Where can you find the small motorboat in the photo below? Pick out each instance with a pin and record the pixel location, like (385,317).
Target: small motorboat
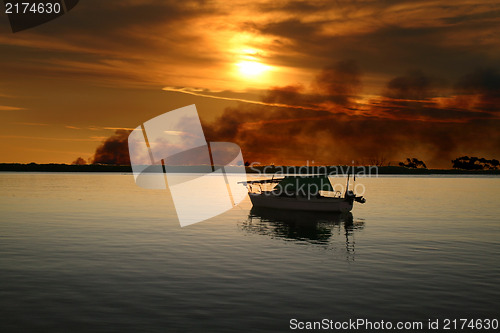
(304,193)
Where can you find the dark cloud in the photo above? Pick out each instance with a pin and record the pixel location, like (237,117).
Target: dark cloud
(417,96)
(340,82)
(415,86)
(294,7)
(424,111)
(480,89)
(285,95)
(485,82)
(492,15)
(292,28)
(119,41)
(437,38)
(113,16)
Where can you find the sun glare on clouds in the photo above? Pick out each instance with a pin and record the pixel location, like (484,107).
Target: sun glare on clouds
(251,69)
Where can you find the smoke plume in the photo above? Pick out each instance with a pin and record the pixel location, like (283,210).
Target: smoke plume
(411,117)
(407,119)
(114,150)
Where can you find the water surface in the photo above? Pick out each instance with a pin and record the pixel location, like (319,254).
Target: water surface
(95,253)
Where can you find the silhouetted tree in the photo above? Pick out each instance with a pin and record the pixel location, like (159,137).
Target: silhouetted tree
(377,161)
(413,163)
(475,163)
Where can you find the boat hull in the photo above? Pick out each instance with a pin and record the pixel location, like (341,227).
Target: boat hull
(314,204)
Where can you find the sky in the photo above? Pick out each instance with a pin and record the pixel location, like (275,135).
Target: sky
(289,81)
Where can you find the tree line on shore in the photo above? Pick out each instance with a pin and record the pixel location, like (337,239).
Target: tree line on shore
(460,163)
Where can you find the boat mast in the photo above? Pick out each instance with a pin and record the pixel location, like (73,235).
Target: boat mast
(347,186)
(348,175)
(353,176)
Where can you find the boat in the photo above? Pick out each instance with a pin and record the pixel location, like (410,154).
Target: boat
(301,193)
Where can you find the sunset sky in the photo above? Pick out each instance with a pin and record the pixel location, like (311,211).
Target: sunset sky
(289,81)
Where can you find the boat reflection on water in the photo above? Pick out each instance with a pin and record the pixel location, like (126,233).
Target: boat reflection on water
(325,229)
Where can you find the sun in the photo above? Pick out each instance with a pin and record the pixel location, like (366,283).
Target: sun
(251,69)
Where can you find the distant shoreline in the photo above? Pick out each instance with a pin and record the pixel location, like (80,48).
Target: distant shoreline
(383,170)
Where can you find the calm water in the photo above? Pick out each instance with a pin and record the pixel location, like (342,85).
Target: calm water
(96,253)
